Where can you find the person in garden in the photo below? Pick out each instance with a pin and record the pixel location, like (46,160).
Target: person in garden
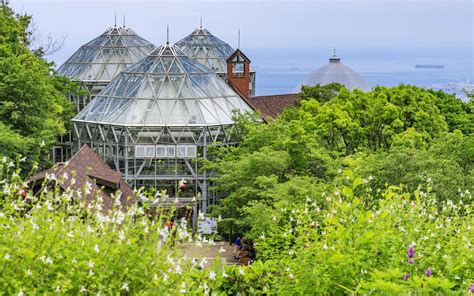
(237,245)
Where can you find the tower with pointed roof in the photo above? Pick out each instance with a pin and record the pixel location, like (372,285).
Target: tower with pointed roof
(155,121)
(212,52)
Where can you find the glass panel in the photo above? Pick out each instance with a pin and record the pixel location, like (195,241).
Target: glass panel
(191,151)
(150,151)
(170,151)
(181,151)
(139,151)
(160,151)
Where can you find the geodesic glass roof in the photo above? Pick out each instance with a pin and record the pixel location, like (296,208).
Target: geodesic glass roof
(102,58)
(335,71)
(206,49)
(167,88)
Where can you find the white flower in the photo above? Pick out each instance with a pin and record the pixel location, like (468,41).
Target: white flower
(165,277)
(42,143)
(83,289)
(325,247)
(7,256)
(125,287)
(58,289)
(91,264)
(224,274)
(212,275)
(74,260)
(96,249)
(4,159)
(201,216)
(221,250)
(29,273)
(48,261)
(291,276)
(241,271)
(20,293)
(88,187)
(183,288)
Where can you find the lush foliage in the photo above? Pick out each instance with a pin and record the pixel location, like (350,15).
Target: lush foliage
(337,241)
(50,243)
(358,244)
(398,136)
(32,107)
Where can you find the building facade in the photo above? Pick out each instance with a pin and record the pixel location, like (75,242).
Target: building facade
(155,121)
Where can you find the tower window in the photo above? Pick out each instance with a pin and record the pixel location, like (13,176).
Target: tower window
(238,69)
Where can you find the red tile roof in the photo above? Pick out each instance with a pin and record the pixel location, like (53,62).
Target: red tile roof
(271,106)
(86,167)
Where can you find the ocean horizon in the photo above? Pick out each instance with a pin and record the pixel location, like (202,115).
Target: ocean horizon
(278,73)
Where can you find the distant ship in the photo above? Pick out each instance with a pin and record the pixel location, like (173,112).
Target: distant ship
(429,66)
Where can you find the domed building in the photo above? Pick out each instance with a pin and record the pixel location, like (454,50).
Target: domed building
(335,71)
(155,121)
(98,61)
(94,65)
(212,52)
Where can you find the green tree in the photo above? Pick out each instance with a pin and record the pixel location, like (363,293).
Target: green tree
(32,107)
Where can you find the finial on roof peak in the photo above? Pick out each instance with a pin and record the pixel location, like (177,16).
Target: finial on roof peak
(238,42)
(124,21)
(167,34)
(334,58)
(115,20)
(200,23)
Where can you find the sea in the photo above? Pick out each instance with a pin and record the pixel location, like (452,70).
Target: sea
(281,71)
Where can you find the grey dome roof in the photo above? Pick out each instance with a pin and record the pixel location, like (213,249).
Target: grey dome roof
(167,88)
(335,71)
(102,58)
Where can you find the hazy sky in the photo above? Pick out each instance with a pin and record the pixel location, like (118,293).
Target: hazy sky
(265,24)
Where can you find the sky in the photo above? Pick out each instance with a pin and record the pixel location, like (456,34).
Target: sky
(263,24)
(285,33)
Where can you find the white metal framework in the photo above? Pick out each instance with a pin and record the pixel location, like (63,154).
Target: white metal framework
(156,119)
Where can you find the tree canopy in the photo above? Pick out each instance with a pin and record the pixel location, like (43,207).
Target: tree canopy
(403,135)
(33,107)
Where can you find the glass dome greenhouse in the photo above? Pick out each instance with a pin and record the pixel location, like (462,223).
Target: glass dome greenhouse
(98,61)
(155,120)
(94,65)
(212,52)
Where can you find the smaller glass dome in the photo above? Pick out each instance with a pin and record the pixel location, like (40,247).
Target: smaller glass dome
(102,58)
(206,49)
(335,71)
